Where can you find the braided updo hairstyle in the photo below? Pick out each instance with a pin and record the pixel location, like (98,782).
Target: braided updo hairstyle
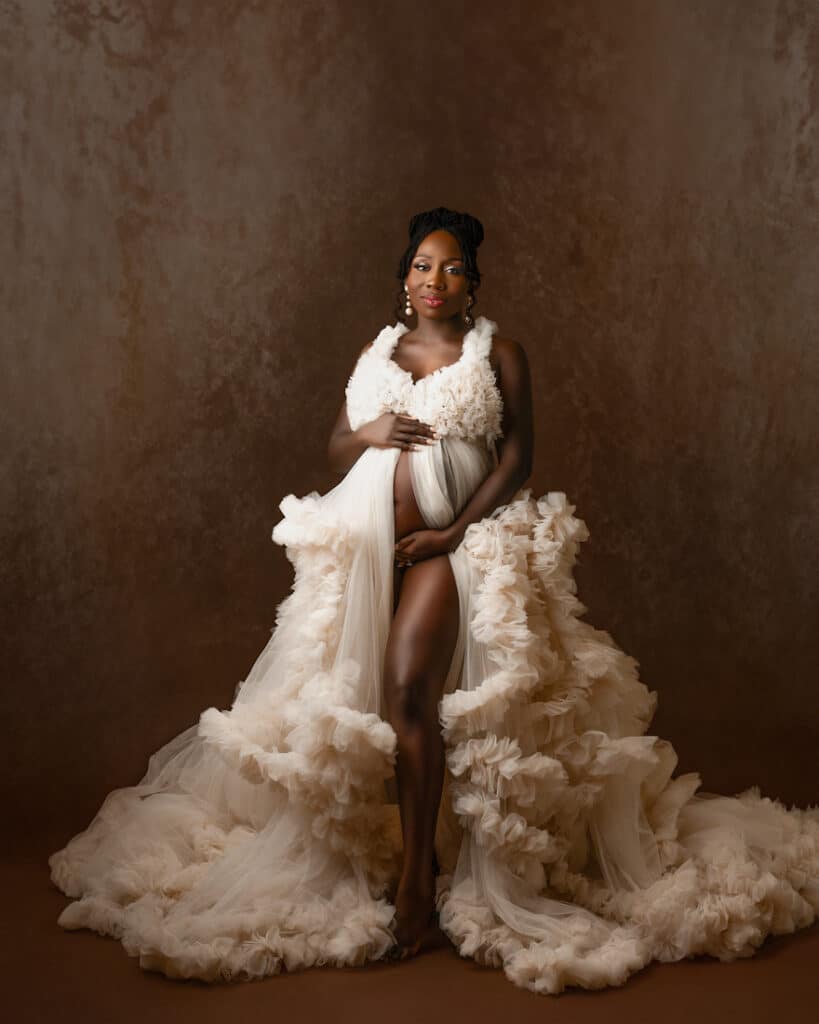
(467,229)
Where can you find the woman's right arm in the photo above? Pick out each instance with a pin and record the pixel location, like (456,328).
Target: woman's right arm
(345,445)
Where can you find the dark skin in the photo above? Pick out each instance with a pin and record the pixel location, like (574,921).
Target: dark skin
(424,628)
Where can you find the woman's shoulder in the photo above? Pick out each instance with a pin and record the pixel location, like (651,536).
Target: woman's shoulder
(374,345)
(383,343)
(507,355)
(371,355)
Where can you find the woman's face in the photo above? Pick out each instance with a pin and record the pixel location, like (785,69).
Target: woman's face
(437,272)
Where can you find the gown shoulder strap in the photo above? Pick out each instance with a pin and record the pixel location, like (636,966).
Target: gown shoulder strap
(387,338)
(480,337)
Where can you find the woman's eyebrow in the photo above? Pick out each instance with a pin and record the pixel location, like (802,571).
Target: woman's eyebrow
(449,259)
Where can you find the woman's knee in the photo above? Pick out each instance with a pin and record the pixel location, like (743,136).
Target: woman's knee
(410,696)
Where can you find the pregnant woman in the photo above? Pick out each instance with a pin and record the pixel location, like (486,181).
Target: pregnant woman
(432,652)
(424,629)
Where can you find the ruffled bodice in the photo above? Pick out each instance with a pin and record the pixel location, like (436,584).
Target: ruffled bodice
(458,400)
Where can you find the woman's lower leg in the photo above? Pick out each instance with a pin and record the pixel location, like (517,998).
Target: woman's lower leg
(420,776)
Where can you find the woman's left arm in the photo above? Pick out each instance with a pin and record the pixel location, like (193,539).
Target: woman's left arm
(514,448)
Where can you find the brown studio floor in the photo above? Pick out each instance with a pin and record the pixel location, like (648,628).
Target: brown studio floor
(54,975)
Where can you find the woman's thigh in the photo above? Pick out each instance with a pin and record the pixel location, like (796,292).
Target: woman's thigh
(422,638)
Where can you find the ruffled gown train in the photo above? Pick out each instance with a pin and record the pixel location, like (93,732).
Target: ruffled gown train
(264,837)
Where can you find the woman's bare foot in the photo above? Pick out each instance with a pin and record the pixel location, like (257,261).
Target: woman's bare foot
(414,916)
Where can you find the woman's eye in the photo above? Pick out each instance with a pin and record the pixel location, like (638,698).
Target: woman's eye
(425,266)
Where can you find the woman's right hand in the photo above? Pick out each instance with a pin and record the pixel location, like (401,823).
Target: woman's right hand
(395,430)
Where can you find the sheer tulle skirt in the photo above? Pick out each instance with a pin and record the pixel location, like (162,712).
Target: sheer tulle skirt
(263,836)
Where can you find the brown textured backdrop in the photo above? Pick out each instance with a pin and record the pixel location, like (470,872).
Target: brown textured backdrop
(203,204)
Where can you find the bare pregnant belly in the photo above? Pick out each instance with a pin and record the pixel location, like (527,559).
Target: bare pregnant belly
(407,514)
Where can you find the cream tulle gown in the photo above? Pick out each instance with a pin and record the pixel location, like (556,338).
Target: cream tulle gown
(264,837)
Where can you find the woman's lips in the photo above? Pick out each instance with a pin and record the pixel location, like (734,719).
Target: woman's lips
(430,301)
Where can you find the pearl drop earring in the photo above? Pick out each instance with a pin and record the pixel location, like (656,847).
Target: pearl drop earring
(408,308)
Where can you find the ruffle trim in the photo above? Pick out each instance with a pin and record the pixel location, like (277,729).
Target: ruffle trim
(307,736)
(533,750)
(348,929)
(325,755)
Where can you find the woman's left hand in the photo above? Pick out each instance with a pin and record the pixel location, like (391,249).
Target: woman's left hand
(421,544)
